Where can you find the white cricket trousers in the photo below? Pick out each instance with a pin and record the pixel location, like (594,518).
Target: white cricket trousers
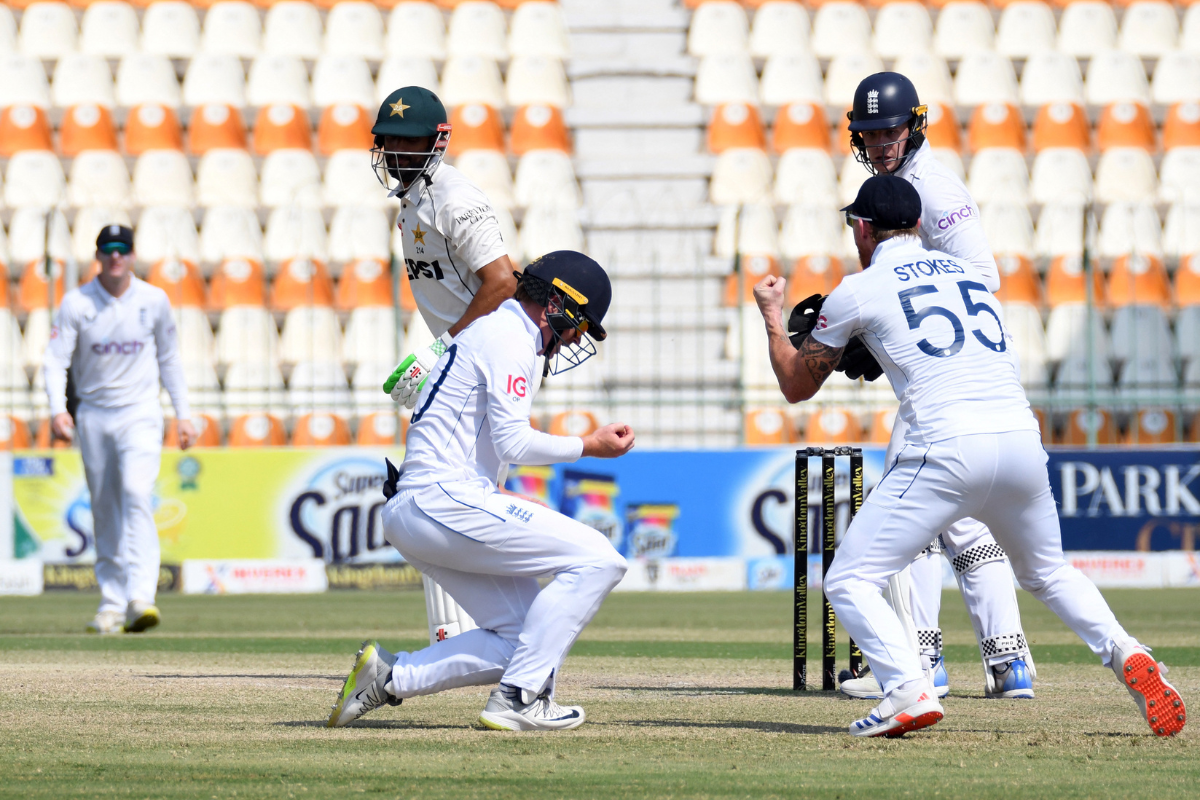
(122,449)
(1000,480)
(487,551)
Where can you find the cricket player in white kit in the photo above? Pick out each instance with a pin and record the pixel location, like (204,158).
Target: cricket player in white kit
(457,262)
(448,517)
(972,449)
(117,336)
(887,128)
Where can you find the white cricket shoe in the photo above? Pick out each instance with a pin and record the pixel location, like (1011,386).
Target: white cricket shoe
(1159,701)
(365,688)
(899,713)
(506,711)
(141,616)
(866,685)
(106,622)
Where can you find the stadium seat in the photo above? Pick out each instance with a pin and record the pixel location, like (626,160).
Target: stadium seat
(380,428)
(416,29)
(87,127)
(145,78)
(318,386)
(902,27)
(344,127)
(33,293)
(546,176)
(47,30)
(811,231)
(792,78)
(163,178)
(537,80)
(726,78)
(1149,28)
(779,28)
(166,232)
(43,440)
(257,430)
(365,282)
(477,29)
(399,71)
(98,178)
(1024,324)
(840,27)
(281,127)
(295,232)
(237,282)
(1065,284)
(985,77)
(1060,174)
(216,127)
(845,72)
(538,29)
(549,227)
(108,29)
(14,433)
(301,283)
(536,127)
(349,181)
(942,130)
(851,177)
(1114,77)
(87,223)
(1067,336)
(208,431)
(371,343)
(24,128)
(880,428)
(1125,125)
(1087,28)
(27,236)
(23,82)
(1176,78)
(1009,228)
(488,169)
(929,74)
(1141,332)
(800,125)
(1187,330)
(1180,170)
(152,127)
(806,176)
(476,127)
(1051,77)
(751,230)
(361,232)
(718,28)
(8,28)
(996,125)
(1060,230)
(1130,228)
(467,79)
(232,27)
(81,79)
(214,78)
(573,423)
(278,80)
(1181,232)
(963,27)
(354,29)
(753,269)
(34,178)
(1082,421)
(1025,29)
(247,335)
(998,175)
(226,177)
(170,28)
(1061,125)
(833,426)
(342,79)
(1151,426)
(735,125)
(740,175)
(809,275)
(292,29)
(1138,279)
(768,426)
(1181,128)
(290,177)
(181,280)
(321,430)
(1125,174)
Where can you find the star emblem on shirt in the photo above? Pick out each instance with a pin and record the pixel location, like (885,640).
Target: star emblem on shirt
(398,108)
(418,234)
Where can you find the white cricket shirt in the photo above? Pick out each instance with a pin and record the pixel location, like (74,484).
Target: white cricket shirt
(472,417)
(950,221)
(117,348)
(449,231)
(931,323)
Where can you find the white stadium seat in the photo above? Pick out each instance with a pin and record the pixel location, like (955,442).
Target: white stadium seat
(354,29)
(1125,174)
(537,80)
(806,176)
(999,175)
(538,29)
(82,79)
(230,232)
(226,177)
(1066,333)
(488,169)
(290,177)
(930,74)
(8,30)
(278,80)
(292,28)
(718,28)
(1024,323)
(1025,28)
(1087,27)
(1060,175)
(792,78)
(810,230)
(98,178)
(87,222)
(295,232)
(163,178)
(171,28)
(1181,176)
(310,333)
(47,30)
(319,388)
(950,159)
(251,385)
(350,181)
(845,73)
(371,340)
(902,27)
(549,227)
(780,28)
(27,237)
(1114,76)
(1181,231)
(416,30)
(477,29)
(144,78)
(963,26)
(214,78)
(1009,228)
(471,79)
(34,178)
(232,27)
(1149,28)
(1130,228)
(1189,35)
(358,232)
(852,176)
(841,27)
(1051,77)
(342,79)
(23,82)
(399,71)
(726,78)
(985,77)
(749,229)
(1176,78)
(1187,335)
(108,28)
(1060,230)
(546,176)
(166,232)
(740,175)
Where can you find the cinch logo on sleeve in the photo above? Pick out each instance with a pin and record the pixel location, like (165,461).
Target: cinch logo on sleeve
(949,220)
(131,348)
(517,386)
(822,323)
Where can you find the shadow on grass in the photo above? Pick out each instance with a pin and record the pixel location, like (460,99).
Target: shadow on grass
(734,724)
(684,691)
(277,677)
(381,724)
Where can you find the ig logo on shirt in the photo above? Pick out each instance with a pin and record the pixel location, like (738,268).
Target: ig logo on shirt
(518,386)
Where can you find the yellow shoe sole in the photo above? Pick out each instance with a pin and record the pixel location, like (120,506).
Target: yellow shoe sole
(149,618)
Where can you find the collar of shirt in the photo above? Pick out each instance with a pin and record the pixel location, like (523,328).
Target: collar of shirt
(888,248)
(913,163)
(109,298)
(402,193)
(513,307)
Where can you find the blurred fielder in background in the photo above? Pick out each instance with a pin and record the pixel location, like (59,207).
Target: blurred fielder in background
(457,262)
(447,517)
(116,335)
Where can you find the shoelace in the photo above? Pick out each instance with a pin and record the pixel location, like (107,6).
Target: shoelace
(546,708)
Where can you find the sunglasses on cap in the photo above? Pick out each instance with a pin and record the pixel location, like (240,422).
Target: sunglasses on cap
(851,217)
(110,248)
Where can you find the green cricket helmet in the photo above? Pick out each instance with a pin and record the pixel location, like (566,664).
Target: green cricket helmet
(411,112)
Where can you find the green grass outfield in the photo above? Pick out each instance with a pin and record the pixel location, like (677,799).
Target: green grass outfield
(686,696)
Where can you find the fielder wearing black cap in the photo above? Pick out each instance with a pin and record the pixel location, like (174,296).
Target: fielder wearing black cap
(112,237)
(887,202)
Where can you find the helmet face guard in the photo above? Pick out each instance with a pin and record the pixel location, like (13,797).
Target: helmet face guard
(396,178)
(564,312)
(917,123)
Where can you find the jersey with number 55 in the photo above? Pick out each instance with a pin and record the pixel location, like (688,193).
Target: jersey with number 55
(938,333)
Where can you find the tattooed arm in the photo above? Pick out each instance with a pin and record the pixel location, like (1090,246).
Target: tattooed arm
(800,372)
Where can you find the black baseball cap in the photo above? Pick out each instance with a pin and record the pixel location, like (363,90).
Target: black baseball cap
(111,234)
(888,202)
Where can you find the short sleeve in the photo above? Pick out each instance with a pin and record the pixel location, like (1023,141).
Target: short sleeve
(471,226)
(839,320)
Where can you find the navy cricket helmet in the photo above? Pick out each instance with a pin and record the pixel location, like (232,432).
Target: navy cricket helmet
(576,293)
(881,101)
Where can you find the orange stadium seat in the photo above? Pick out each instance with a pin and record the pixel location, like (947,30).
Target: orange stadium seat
(768,426)
(238,282)
(152,127)
(538,127)
(813,275)
(365,282)
(281,127)
(1125,125)
(215,126)
(1018,281)
(33,290)
(832,426)
(735,125)
(882,422)
(87,127)
(257,430)
(380,428)
(1080,421)
(1138,279)
(1065,282)
(1061,125)
(754,269)
(1181,128)
(320,430)
(14,433)
(208,431)
(344,127)
(942,129)
(4,286)
(1151,426)
(43,438)
(996,125)
(89,272)
(475,126)
(574,423)
(1187,281)
(301,282)
(181,280)
(800,125)
(24,128)
(407,301)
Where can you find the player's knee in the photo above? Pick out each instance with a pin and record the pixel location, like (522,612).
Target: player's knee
(837,583)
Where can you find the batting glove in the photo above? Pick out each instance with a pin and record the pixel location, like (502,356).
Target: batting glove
(407,380)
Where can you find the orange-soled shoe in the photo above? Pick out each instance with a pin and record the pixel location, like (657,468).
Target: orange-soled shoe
(1146,680)
(900,713)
